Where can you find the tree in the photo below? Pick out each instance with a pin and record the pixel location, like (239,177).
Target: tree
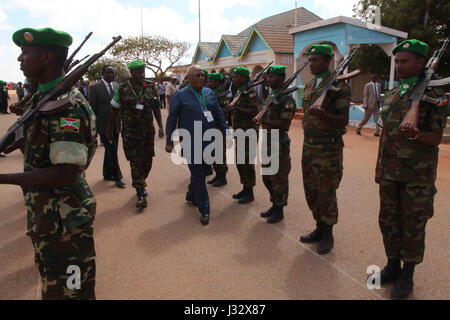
(95,71)
(155,51)
(425,20)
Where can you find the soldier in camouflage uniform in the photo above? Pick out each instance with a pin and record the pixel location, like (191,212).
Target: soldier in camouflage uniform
(323,147)
(244,111)
(278,117)
(221,169)
(59,148)
(19,91)
(406,169)
(138,101)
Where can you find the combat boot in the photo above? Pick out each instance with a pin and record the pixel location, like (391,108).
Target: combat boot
(239,194)
(220,181)
(277,215)
(268,213)
(248,196)
(403,287)
(390,273)
(141,198)
(204,219)
(313,236)
(213,180)
(326,242)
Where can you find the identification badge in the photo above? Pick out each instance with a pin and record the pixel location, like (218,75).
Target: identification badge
(380,122)
(139,107)
(208,116)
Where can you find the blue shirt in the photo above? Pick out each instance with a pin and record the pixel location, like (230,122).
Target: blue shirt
(185,108)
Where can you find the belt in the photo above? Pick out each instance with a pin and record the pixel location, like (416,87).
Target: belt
(324,140)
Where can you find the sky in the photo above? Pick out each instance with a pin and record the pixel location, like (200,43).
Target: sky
(174,19)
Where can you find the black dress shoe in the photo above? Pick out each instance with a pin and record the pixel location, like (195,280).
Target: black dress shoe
(204,219)
(120,183)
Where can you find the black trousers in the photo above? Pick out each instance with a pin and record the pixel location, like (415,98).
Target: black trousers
(3,105)
(162,98)
(111,168)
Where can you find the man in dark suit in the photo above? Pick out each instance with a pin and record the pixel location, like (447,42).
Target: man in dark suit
(100,96)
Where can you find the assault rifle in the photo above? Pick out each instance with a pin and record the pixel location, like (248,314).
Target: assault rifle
(329,86)
(252,83)
(283,91)
(419,90)
(69,62)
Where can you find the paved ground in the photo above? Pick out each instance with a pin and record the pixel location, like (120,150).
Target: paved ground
(165,253)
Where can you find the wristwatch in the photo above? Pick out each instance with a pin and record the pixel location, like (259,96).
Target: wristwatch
(414,138)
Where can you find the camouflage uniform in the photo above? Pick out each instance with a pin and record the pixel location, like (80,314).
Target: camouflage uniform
(278,184)
(222,168)
(138,131)
(248,100)
(60,220)
(406,172)
(20,93)
(323,152)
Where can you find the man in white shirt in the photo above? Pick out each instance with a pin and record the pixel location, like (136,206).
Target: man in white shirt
(170,90)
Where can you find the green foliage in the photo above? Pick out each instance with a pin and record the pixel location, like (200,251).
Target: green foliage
(155,51)
(95,71)
(425,20)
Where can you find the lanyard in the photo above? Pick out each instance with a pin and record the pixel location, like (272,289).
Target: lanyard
(201,98)
(140,93)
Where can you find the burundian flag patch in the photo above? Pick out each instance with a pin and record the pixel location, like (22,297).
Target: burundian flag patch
(69,125)
(443,101)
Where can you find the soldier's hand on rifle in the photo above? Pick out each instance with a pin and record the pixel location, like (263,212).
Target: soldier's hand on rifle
(407,129)
(258,123)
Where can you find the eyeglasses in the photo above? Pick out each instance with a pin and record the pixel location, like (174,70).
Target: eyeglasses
(199,75)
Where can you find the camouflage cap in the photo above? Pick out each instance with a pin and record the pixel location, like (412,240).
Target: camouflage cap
(325,49)
(41,37)
(215,76)
(276,70)
(412,45)
(242,71)
(136,64)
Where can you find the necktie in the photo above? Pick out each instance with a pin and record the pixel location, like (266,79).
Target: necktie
(376,92)
(110,89)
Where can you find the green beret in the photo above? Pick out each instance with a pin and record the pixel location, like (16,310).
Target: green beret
(242,71)
(276,70)
(42,37)
(136,64)
(321,48)
(215,76)
(412,45)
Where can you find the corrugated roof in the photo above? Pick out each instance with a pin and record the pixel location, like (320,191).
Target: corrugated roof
(208,48)
(235,43)
(278,38)
(286,20)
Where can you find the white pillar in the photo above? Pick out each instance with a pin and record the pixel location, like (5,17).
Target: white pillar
(392,73)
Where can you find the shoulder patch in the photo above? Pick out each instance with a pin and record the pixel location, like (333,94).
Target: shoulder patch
(443,101)
(69,125)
